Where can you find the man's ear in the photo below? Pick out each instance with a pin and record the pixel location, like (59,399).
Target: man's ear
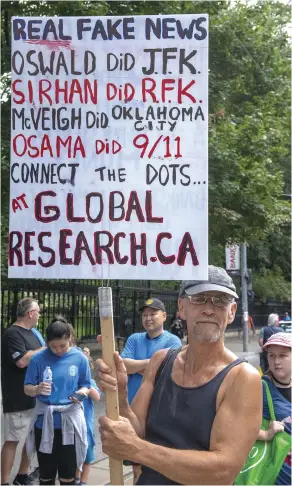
(231,313)
(164,316)
(181,308)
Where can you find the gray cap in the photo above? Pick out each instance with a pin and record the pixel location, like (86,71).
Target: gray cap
(218,279)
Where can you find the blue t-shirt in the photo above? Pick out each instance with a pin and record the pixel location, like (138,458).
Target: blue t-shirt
(39,336)
(88,405)
(282,409)
(70,372)
(140,346)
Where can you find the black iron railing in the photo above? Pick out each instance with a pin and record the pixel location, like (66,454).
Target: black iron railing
(77,300)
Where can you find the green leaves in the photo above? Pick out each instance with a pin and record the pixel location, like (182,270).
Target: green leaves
(249,122)
(249,148)
(271,285)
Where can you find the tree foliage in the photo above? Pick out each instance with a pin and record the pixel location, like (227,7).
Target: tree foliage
(249,121)
(271,285)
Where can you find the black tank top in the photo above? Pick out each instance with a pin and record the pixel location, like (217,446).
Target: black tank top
(179,417)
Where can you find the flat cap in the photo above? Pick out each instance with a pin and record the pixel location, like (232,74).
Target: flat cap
(218,279)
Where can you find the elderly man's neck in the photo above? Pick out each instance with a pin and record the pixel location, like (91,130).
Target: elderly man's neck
(200,353)
(23,323)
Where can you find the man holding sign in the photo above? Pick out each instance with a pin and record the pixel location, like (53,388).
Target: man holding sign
(195,404)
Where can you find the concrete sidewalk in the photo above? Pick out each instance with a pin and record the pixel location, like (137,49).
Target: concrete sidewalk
(100,475)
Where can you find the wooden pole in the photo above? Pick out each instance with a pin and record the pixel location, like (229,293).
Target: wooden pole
(108,349)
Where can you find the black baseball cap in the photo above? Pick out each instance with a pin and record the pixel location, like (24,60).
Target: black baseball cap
(153,304)
(218,279)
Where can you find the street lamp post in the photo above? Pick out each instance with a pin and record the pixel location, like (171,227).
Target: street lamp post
(244,300)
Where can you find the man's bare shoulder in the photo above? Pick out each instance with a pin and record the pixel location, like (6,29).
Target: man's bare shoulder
(246,367)
(158,357)
(244,372)
(245,380)
(243,369)
(155,362)
(242,380)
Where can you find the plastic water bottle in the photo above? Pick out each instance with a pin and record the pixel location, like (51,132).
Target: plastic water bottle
(48,378)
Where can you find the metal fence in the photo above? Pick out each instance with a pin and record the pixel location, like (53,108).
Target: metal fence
(77,300)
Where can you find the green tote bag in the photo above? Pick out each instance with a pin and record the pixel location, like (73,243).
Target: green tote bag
(266,458)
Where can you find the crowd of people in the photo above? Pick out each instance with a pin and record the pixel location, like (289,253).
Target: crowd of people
(183,408)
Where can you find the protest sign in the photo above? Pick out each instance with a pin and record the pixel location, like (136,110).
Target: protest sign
(109,147)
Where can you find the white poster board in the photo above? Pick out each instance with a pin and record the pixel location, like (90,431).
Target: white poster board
(232,253)
(109,147)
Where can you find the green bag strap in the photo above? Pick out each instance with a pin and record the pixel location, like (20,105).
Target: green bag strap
(270,401)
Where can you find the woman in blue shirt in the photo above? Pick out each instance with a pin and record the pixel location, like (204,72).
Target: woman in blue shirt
(278,378)
(59,430)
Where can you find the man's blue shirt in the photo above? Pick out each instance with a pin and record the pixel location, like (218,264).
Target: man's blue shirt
(70,372)
(140,346)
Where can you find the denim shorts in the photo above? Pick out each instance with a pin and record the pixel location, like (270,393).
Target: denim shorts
(89,455)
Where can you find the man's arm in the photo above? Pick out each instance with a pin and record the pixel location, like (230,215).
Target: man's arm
(128,354)
(31,390)
(24,361)
(237,422)
(135,365)
(17,349)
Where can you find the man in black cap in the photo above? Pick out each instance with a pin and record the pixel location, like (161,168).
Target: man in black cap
(141,346)
(198,411)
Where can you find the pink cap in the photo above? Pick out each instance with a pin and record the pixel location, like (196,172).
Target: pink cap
(279,339)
